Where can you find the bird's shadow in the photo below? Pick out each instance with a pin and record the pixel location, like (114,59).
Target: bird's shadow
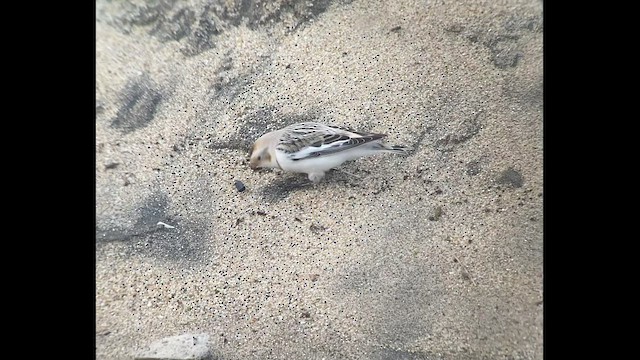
(290,183)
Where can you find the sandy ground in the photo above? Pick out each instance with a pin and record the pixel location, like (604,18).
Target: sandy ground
(436,255)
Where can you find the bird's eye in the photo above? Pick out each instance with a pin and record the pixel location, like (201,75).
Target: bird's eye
(259,158)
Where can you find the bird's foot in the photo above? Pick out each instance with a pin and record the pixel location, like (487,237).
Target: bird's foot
(316,177)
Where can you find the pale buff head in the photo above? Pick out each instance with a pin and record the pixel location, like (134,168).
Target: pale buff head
(263,151)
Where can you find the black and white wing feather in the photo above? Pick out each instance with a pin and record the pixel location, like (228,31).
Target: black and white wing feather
(312,140)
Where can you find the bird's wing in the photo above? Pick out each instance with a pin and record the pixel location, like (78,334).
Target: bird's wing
(308,140)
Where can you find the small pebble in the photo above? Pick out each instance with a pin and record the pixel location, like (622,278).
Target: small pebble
(240,186)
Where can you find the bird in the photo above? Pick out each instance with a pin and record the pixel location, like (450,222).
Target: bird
(314,148)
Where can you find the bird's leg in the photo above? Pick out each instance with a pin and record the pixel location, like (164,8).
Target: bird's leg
(316,177)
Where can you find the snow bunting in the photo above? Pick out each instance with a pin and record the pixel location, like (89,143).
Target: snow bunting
(313,148)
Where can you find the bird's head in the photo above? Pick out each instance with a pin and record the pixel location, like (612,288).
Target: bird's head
(262,154)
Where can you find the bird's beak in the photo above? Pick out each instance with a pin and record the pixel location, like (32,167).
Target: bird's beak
(252,161)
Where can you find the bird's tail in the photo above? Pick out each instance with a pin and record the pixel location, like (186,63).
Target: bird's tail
(396,149)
